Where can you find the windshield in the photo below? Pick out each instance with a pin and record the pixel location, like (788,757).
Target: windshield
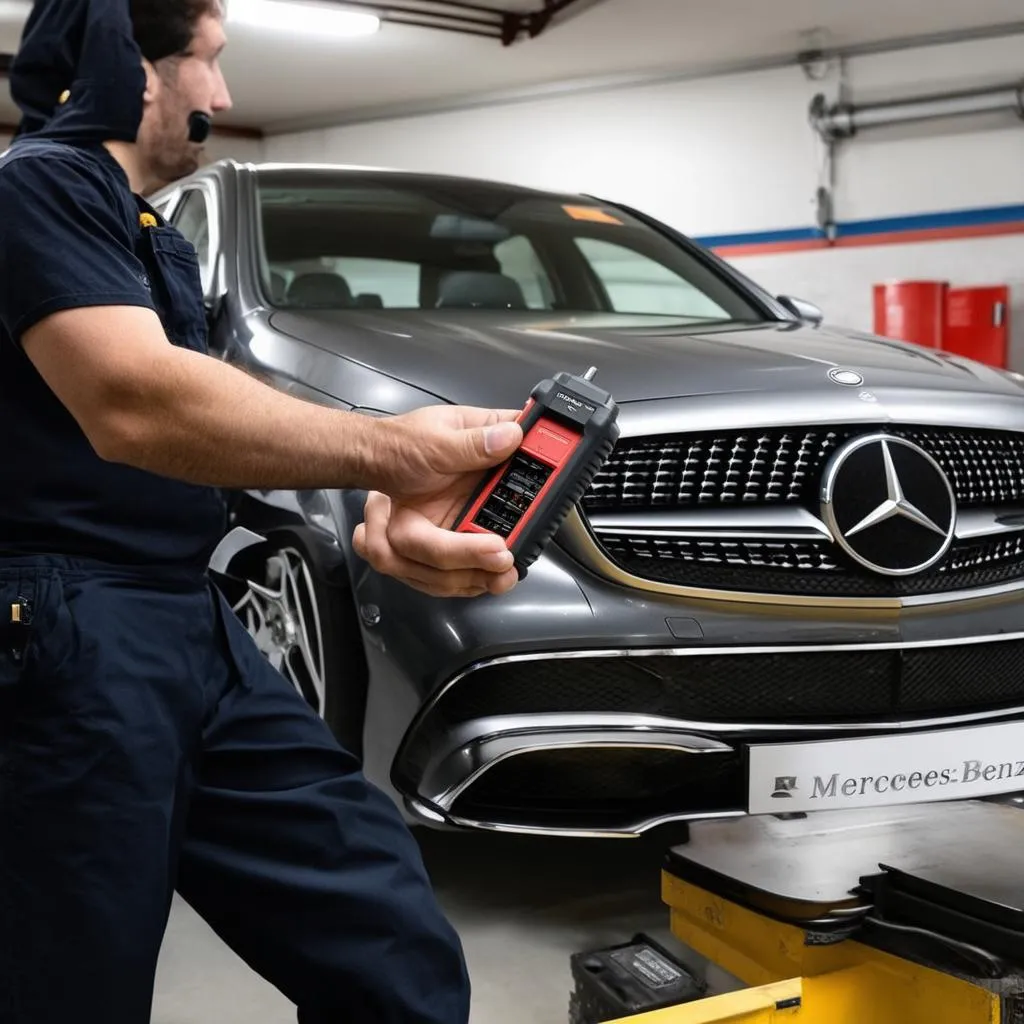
(438,244)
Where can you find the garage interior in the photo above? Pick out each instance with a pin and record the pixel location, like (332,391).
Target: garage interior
(863,158)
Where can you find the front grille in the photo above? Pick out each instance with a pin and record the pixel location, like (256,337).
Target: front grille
(595,787)
(863,685)
(773,466)
(780,466)
(723,469)
(807,567)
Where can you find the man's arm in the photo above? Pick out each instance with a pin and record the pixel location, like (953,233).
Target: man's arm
(149,404)
(144,402)
(152,405)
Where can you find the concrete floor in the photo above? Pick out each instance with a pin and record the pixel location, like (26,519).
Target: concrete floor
(522,905)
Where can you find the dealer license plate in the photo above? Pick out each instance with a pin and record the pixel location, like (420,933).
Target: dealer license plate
(876,771)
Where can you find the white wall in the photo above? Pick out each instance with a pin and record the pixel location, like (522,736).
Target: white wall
(840,280)
(685,152)
(735,154)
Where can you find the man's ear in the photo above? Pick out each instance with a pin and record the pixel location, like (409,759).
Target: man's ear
(152,81)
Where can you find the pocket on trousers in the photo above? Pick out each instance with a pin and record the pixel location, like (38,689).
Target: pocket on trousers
(37,629)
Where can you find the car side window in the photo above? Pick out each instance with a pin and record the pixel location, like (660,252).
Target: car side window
(635,283)
(192,219)
(519,260)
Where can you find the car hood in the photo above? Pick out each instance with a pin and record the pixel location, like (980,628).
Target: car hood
(494,359)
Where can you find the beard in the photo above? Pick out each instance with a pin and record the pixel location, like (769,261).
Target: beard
(169,153)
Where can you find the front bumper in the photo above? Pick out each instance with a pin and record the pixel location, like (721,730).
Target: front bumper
(578,706)
(494,757)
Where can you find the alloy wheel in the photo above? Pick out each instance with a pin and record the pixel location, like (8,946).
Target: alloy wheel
(282,616)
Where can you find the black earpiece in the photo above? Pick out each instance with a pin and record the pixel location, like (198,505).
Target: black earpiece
(199,125)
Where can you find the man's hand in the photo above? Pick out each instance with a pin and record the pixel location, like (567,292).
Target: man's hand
(406,532)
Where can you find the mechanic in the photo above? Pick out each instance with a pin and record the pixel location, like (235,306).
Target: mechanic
(145,744)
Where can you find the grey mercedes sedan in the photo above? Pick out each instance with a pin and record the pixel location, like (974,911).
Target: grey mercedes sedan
(797,584)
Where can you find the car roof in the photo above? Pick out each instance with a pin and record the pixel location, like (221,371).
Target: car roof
(299,174)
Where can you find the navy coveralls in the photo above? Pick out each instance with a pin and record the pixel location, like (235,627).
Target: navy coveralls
(145,744)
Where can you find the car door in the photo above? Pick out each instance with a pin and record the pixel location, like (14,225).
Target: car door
(196,215)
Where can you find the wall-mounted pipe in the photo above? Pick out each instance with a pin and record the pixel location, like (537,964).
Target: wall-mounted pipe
(842,121)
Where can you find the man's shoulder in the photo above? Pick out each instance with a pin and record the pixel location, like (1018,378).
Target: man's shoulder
(45,163)
(48,181)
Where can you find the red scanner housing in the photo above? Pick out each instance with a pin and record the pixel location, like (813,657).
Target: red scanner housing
(569,429)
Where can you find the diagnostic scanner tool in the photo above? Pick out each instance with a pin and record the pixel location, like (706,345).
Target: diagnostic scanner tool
(569,430)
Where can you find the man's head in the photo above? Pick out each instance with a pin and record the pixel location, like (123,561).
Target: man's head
(181,42)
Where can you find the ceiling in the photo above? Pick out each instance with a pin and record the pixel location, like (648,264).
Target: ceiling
(283,81)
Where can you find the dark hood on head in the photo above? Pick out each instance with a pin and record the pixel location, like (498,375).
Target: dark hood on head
(86,50)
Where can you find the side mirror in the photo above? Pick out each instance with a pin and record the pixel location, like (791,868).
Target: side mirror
(802,310)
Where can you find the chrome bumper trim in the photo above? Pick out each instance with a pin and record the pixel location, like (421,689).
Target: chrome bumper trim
(628,830)
(475,747)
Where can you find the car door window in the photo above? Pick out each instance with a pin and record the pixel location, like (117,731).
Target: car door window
(192,219)
(635,283)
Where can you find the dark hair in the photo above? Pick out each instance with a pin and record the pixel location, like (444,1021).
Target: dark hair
(163,28)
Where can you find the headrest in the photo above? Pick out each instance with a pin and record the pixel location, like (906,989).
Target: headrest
(473,289)
(321,289)
(78,76)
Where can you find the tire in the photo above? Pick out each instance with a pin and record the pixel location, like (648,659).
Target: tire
(306,627)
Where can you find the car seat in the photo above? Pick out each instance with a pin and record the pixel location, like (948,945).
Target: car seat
(320,290)
(278,285)
(474,289)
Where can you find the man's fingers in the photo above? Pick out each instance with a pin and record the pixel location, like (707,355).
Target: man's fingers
(405,545)
(414,537)
(442,583)
(470,416)
(370,538)
(475,448)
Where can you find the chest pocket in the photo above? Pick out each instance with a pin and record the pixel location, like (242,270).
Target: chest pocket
(176,285)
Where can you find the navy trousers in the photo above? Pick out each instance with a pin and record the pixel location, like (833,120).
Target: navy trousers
(146,746)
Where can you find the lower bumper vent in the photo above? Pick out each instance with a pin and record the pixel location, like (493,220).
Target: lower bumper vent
(786,687)
(603,787)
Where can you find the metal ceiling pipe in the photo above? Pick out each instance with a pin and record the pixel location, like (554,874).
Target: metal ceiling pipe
(842,121)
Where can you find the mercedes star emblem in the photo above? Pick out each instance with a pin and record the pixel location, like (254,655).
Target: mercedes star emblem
(888,505)
(851,378)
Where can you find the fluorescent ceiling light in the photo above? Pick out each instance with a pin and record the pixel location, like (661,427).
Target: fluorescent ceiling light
(310,18)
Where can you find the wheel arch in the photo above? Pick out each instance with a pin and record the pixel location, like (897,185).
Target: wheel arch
(329,565)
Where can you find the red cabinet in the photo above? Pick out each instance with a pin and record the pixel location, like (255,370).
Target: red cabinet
(971,322)
(978,324)
(911,311)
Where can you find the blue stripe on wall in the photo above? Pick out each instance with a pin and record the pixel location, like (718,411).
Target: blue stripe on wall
(882,226)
